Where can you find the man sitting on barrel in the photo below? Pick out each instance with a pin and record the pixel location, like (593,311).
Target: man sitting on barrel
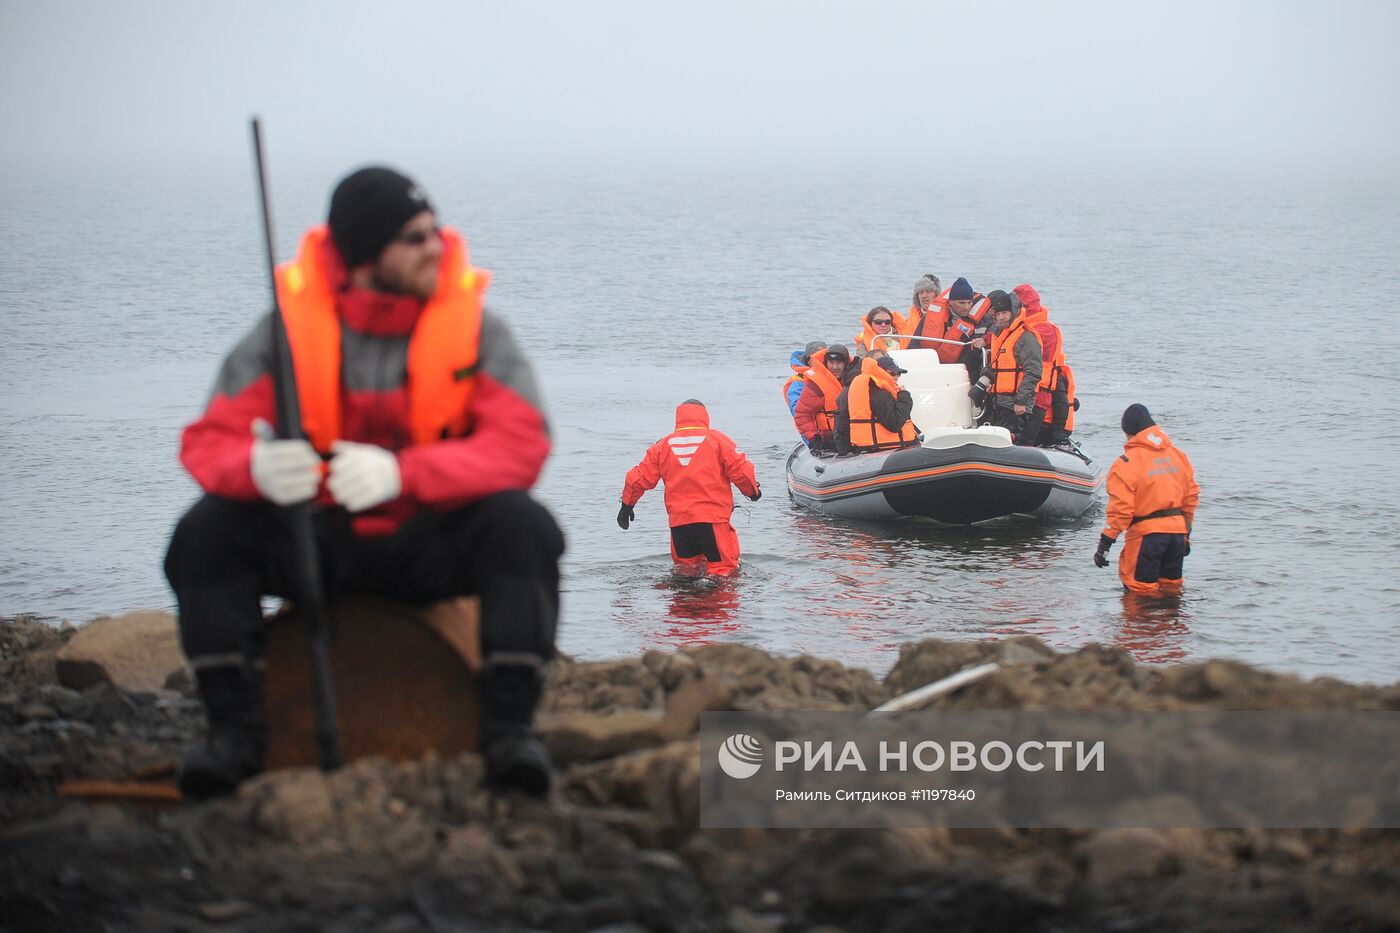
(424,430)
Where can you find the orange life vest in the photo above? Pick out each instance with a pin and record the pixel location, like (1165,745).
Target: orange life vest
(830,388)
(931,323)
(961,329)
(442,351)
(796,377)
(1067,375)
(867,335)
(1006,371)
(1050,377)
(867,433)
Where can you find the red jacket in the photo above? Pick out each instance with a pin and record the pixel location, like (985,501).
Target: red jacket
(1038,317)
(697,464)
(505,450)
(810,404)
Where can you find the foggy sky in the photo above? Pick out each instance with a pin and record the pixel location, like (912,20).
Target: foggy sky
(1261,81)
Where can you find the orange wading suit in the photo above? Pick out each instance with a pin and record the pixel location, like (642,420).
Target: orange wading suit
(1152,495)
(697,465)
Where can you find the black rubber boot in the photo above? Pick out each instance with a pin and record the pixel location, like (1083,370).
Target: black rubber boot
(237,739)
(515,757)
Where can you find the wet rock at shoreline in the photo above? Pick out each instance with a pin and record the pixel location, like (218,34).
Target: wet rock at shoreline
(422,845)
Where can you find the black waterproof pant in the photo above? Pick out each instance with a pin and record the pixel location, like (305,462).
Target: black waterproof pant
(1006,417)
(1160,558)
(225,556)
(1059,411)
(1030,431)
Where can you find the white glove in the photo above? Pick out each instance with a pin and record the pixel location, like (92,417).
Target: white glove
(285,471)
(362,475)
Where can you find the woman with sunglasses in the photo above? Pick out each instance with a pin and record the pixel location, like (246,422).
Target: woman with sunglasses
(879,322)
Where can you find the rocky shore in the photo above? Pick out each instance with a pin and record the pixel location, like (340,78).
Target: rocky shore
(399,847)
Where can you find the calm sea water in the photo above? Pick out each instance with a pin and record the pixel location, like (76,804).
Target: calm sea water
(1250,311)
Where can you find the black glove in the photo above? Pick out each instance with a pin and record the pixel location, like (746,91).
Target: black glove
(1101,555)
(1187,551)
(757,494)
(817,444)
(625,516)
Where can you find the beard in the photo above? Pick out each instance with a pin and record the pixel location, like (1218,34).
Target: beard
(421,282)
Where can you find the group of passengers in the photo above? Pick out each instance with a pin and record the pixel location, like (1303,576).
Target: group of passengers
(1013,353)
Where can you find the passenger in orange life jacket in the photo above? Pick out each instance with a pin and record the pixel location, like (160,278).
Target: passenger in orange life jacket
(872,413)
(928,314)
(880,322)
(1051,396)
(959,324)
(1006,388)
(969,322)
(1051,434)
(983,330)
(815,414)
(800,361)
(697,464)
(431,419)
(1055,398)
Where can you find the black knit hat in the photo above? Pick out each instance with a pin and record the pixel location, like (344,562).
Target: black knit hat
(1000,300)
(1137,418)
(368,208)
(961,290)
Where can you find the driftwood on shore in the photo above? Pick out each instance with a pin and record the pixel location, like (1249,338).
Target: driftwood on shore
(420,845)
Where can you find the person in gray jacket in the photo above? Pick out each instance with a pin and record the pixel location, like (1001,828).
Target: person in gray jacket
(1006,389)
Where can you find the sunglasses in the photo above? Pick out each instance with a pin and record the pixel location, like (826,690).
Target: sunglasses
(418,237)
(882,321)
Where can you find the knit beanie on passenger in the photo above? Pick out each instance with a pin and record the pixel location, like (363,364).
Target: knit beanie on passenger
(1136,418)
(368,209)
(1000,300)
(838,351)
(961,290)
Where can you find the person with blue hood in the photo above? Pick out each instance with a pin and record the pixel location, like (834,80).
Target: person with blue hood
(800,361)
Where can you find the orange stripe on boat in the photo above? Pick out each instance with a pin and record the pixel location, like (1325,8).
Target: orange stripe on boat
(888,479)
